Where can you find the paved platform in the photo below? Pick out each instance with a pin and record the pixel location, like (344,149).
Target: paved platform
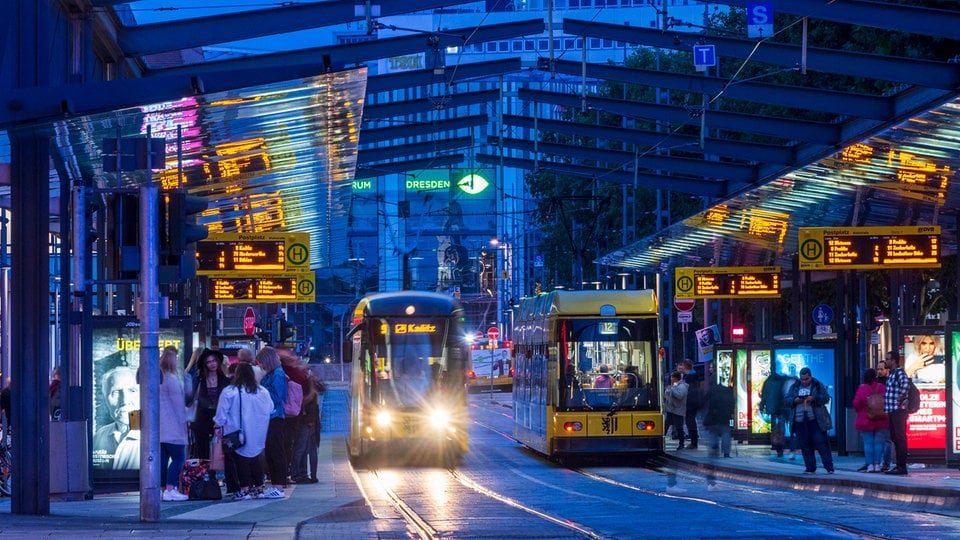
(925,484)
(335,507)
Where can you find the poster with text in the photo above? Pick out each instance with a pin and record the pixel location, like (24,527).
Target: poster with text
(759,371)
(924,360)
(116,392)
(789,360)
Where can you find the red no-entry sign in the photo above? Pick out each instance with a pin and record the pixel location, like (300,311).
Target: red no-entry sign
(249,321)
(684,304)
(493,332)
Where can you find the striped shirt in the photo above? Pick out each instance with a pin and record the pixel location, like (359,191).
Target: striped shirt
(896,390)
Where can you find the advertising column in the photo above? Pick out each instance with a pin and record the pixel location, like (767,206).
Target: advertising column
(924,360)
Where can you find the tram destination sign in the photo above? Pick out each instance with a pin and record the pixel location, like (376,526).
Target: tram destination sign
(243,254)
(298,287)
(727,282)
(869,248)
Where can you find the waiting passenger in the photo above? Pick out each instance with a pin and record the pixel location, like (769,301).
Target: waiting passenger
(604,380)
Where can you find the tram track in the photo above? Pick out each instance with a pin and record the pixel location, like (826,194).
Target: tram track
(840,528)
(420,525)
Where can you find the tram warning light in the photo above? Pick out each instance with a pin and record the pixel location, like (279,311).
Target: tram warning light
(738,334)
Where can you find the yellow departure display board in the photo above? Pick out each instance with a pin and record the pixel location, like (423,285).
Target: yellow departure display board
(727,282)
(243,254)
(299,287)
(869,248)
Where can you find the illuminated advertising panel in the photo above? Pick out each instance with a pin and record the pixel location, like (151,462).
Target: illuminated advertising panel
(789,360)
(925,363)
(759,371)
(743,403)
(116,358)
(953,450)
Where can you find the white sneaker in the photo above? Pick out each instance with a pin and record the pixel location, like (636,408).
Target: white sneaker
(171,495)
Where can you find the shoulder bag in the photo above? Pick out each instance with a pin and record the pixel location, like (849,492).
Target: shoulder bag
(233,441)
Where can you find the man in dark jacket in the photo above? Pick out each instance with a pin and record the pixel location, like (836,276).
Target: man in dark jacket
(719,418)
(694,401)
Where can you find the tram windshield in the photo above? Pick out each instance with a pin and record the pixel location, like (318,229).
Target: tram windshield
(408,360)
(608,364)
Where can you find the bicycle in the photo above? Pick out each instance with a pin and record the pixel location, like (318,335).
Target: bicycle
(6,468)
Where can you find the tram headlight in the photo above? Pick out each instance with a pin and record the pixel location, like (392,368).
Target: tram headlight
(570,427)
(384,419)
(439,419)
(646,425)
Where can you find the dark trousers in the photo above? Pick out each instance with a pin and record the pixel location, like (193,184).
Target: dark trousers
(249,471)
(676,421)
(691,421)
(898,436)
(813,439)
(276,453)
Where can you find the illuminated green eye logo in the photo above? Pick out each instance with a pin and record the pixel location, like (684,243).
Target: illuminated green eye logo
(473,184)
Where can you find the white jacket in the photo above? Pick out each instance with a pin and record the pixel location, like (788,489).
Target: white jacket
(256,417)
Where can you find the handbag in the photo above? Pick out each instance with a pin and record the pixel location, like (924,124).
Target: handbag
(231,442)
(192,404)
(197,481)
(216,454)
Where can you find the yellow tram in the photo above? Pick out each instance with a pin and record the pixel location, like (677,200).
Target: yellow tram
(408,399)
(587,379)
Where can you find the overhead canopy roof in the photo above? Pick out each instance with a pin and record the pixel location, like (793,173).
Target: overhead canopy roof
(907,175)
(452,112)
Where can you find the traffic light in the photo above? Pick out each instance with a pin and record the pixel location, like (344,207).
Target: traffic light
(183,227)
(125,236)
(179,231)
(283,331)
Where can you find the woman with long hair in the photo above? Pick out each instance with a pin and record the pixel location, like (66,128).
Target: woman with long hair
(275,381)
(173,426)
(207,386)
(245,406)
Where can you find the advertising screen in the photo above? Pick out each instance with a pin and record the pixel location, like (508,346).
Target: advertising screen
(790,360)
(954,447)
(740,375)
(925,363)
(116,393)
(759,371)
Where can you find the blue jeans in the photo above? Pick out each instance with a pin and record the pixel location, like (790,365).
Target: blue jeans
(813,439)
(874,445)
(720,440)
(172,457)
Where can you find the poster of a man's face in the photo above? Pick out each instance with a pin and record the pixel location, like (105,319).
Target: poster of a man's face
(116,359)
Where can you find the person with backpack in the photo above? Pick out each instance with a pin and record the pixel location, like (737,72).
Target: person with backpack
(871,420)
(771,404)
(895,406)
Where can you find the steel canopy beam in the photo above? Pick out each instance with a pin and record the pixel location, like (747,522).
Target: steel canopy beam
(914,71)
(381,169)
(377,111)
(54,102)
(844,103)
(366,51)
(425,77)
(901,17)
(787,129)
(714,189)
(372,136)
(748,152)
(371,155)
(226,27)
(685,166)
